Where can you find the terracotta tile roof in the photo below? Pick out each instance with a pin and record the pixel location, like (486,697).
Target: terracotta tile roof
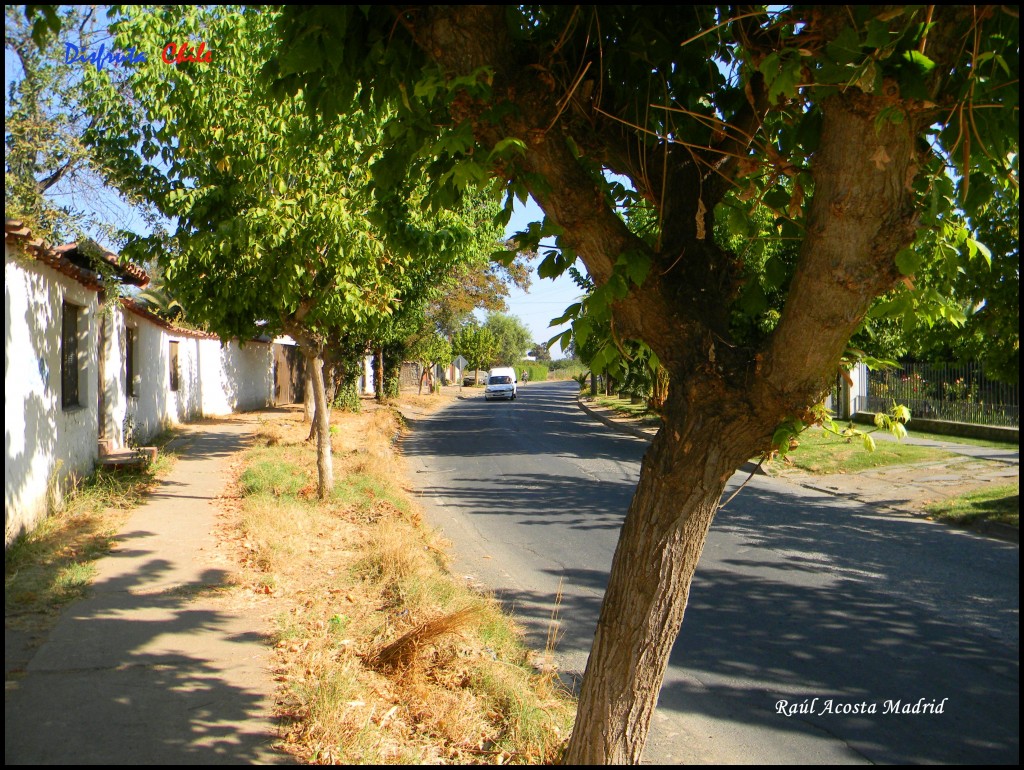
(140,310)
(69,260)
(129,272)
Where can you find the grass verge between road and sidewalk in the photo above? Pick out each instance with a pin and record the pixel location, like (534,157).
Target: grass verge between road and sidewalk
(821,452)
(818,452)
(963,440)
(383,656)
(53,565)
(626,407)
(997,504)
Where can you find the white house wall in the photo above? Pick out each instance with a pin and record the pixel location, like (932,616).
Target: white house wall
(44,443)
(212,379)
(150,409)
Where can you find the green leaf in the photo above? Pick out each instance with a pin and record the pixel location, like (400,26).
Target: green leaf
(845,48)
(636,265)
(869,443)
(909,261)
(977,247)
(919,60)
(775,272)
(502,148)
(570,312)
(303,58)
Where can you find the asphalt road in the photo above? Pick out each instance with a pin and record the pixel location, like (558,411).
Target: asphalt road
(846,615)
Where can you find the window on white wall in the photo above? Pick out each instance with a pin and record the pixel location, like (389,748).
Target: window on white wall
(173,357)
(129,362)
(69,359)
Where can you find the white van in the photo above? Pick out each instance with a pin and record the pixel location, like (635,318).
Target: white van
(501,383)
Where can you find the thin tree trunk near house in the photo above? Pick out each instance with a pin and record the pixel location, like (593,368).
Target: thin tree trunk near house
(308,405)
(310,402)
(321,422)
(378,359)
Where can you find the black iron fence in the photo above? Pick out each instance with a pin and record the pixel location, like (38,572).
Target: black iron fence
(954,392)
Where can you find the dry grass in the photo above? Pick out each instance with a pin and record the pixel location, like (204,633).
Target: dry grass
(383,656)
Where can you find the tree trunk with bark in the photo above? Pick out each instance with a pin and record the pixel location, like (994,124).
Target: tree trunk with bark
(378,359)
(321,421)
(308,405)
(860,217)
(312,348)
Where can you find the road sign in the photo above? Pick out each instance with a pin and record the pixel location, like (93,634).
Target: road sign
(460,363)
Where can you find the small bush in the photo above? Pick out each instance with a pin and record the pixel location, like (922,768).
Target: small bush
(347,398)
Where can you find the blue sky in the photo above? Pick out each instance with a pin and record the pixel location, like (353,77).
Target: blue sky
(546,298)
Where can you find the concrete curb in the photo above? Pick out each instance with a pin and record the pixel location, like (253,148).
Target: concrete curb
(632,430)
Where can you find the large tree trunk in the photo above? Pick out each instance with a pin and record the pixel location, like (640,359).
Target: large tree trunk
(682,478)
(861,216)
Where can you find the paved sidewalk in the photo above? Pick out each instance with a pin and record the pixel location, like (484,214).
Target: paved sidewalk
(160,664)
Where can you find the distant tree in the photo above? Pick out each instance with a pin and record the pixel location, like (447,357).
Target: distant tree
(540,351)
(477,345)
(479,285)
(429,350)
(511,337)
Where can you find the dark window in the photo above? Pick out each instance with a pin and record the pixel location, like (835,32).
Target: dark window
(174,365)
(69,356)
(129,362)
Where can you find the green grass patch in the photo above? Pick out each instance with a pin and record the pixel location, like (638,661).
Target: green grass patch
(626,407)
(961,440)
(992,504)
(823,453)
(272,477)
(364,491)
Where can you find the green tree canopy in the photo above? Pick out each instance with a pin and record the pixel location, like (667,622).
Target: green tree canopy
(274,228)
(476,344)
(511,338)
